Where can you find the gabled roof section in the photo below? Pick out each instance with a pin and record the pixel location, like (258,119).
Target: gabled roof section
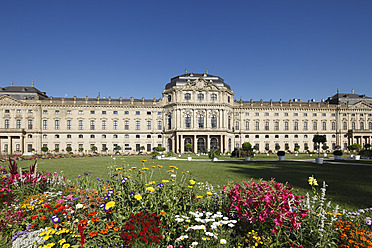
(187,77)
(22,92)
(7,100)
(362,105)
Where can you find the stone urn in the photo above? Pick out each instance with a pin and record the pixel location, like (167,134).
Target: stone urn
(319,160)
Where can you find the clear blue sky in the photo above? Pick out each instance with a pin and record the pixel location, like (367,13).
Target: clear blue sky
(263,49)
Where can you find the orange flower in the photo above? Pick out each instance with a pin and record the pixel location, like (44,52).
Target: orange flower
(92,234)
(82,222)
(109,225)
(104,231)
(33,225)
(162,213)
(94,219)
(116,228)
(55,226)
(43,217)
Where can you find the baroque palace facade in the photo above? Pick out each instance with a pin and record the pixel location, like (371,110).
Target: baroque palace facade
(199,109)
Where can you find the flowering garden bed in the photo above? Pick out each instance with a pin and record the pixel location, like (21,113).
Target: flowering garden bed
(132,209)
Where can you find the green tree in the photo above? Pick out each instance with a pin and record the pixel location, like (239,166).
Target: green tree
(355,147)
(93,148)
(44,149)
(319,139)
(277,147)
(188,147)
(68,149)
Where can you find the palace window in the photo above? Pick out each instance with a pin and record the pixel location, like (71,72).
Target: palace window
(57,112)
(246,125)
(92,136)
(187,96)
(126,125)
(92,112)
(126,112)
(305,125)
(267,125)
(103,125)
(138,112)
(324,126)
(45,124)
(45,112)
(201,121)
(187,121)
(169,121)
(229,123)
(138,125)
(56,124)
(68,124)
(257,125)
(80,136)
(333,125)
(236,125)
(344,125)
(214,121)
(80,125)
(29,124)
(295,126)
(103,112)
(276,126)
(286,125)
(370,125)
(148,124)
(19,111)
(200,97)
(362,125)
(7,124)
(92,125)
(68,136)
(103,136)
(353,125)
(159,125)
(115,125)
(213,97)
(80,112)
(18,124)
(169,98)
(115,112)
(315,125)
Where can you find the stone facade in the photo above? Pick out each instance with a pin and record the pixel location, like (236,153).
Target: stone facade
(196,108)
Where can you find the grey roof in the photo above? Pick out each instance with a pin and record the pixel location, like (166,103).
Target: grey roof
(351,98)
(20,92)
(182,79)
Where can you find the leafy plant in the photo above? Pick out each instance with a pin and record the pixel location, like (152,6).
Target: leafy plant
(215,153)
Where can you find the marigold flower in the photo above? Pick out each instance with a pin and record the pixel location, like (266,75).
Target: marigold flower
(104,231)
(209,193)
(109,225)
(190,187)
(143,161)
(162,213)
(93,234)
(192,182)
(145,169)
(116,228)
(151,189)
(199,197)
(138,197)
(66,246)
(42,217)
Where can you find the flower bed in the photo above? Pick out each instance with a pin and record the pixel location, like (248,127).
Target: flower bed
(132,209)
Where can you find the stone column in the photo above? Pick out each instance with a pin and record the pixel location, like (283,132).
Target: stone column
(11,145)
(208,144)
(182,144)
(194,145)
(22,144)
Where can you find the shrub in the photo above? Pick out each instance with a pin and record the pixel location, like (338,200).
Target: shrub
(280,153)
(215,153)
(338,153)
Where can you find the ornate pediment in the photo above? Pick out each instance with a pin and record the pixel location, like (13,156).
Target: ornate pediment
(7,100)
(200,84)
(361,105)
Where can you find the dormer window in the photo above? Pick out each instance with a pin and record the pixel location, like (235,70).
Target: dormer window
(200,97)
(169,98)
(187,96)
(228,99)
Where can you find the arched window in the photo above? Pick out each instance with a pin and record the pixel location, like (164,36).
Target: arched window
(324,125)
(267,125)
(295,126)
(169,98)
(201,121)
(370,125)
(236,125)
(170,145)
(213,97)
(214,121)
(187,96)
(276,126)
(246,125)
(187,121)
(257,125)
(344,125)
(353,125)
(305,125)
(187,140)
(286,125)
(315,125)
(333,125)
(362,125)
(201,145)
(214,143)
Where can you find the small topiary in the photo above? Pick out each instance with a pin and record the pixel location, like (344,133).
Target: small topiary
(338,153)
(280,153)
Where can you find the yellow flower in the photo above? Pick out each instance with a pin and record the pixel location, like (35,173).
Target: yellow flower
(134,168)
(160,166)
(145,169)
(143,161)
(312,181)
(199,196)
(190,187)
(169,171)
(165,181)
(172,166)
(151,189)
(62,241)
(66,246)
(192,182)
(162,213)
(110,204)
(119,168)
(209,193)
(138,197)
(153,166)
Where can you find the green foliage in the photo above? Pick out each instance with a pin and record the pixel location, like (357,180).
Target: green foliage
(117,148)
(338,153)
(56,149)
(170,154)
(215,153)
(246,146)
(160,149)
(188,147)
(277,147)
(319,139)
(154,154)
(325,147)
(69,149)
(93,148)
(142,148)
(44,149)
(280,153)
(355,147)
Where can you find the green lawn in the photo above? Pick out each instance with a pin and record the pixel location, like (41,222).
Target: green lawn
(350,185)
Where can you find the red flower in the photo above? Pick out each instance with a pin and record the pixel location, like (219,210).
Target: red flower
(33,217)
(43,217)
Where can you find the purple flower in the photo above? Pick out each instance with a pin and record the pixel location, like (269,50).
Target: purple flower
(79,176)
(105,198)
(160,185)
(132,194)
(124,179)
(98,178)
(55,219)
(102,205)
(110,193)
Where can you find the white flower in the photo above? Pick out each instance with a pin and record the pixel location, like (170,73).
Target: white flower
(231,225)
(173,175)
(78,206)
(223,241)
(194,243)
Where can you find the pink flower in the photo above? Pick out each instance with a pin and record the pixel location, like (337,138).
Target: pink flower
(60,201)
(170,246)
(70,197)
